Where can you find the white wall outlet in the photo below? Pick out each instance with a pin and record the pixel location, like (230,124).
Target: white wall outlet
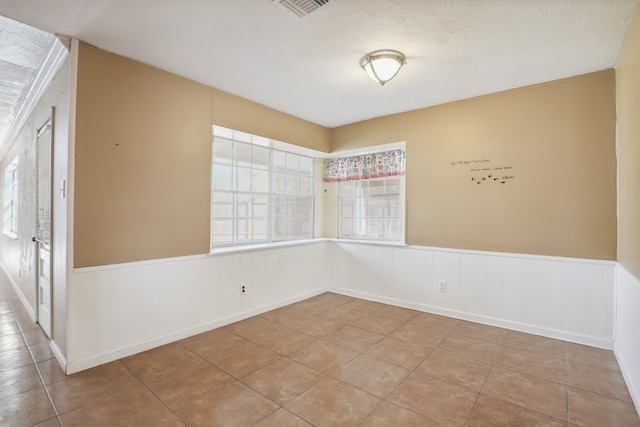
(442,285)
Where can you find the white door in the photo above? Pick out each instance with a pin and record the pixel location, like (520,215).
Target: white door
(43,224)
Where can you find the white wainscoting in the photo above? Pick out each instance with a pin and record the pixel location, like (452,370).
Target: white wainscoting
(564,298)
(627,330)
(119,310)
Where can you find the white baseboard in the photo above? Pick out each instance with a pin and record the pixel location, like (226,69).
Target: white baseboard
(59,355)
(633,391)
(110,356)
(486,320)
(25,302)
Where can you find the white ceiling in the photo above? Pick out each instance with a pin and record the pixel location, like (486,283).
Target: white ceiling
(308,67)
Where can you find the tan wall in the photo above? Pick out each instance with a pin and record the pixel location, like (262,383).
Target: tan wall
(143,149)
(558,138)
(143,157)
(240,114)
(628,146)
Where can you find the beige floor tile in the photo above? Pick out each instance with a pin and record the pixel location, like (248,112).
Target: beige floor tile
(599,380)
(372,375)
(491,412)
(324,356)
(286,341)
(342,314)
(11,342)
(213,342)
(537,344)
(480,350)
(15,358)
(333,403)
(254,328)
(189,383)
(18,381)
(9,328)
(438,400)
(232,405)
(35,336)
(455,369)
(531,392)
(435,321)
(362,305)
(317,326)
(388,414)
(378,324)
(422,334)
(592,356)
(244,359)
(354,338)
(482,332)
(51,371)
(51,422)
(282,380)
(160,361)
(131,407)
(533,364)
(398,313)
(41,352)
(595,410)
(315,305)
(284,316)
(26,409)
(283,418)
(404,353)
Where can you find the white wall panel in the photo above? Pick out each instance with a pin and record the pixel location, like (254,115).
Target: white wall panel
(563,298)
(627,330)
(120,310)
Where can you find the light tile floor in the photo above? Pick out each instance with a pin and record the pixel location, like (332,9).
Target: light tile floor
(330,360)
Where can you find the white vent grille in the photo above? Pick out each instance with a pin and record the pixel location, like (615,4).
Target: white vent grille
(302,7)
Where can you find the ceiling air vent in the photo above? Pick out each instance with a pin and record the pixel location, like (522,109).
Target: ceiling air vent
(302,7)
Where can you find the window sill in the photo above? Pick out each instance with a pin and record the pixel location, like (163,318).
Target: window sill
(262,246)
(369,242)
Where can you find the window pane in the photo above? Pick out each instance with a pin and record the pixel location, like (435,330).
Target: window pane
(292,184)
(306,207)
(279,231)
(243,209)
(279,206)
(279,161)
(346,228)
(376,187)
(375,228)
(360,230)
(260,229)
(222,150)
(392,229)
(293,228)
(241,154)
(293,163)
(260,158)
(375,207)
(306,228)
(306,184)
(259,181)
(392,185)
(279,183)
(222,177)
(306,166)
(244,233)
(292,207)
(346,207)
(243,179)
(260,207)
(345,188)
(222,205)
(222,231)
(394,206)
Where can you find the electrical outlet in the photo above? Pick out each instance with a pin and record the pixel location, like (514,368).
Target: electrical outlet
(243,289)
(443,285)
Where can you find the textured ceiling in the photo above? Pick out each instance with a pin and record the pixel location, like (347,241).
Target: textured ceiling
(22,49)
(308,66)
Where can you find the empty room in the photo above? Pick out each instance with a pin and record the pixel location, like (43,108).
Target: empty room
(320,213)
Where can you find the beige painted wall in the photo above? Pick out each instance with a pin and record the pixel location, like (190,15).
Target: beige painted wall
(558,139)
(143,157)
(142,160)
(628,147)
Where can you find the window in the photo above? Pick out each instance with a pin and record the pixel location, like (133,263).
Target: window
(11,199)
(370,195)
(370,209)
(259,194)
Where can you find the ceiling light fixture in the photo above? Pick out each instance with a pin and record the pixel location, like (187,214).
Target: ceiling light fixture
(383,65)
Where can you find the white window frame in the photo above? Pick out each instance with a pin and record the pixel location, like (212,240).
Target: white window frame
(11,193)
(233,215)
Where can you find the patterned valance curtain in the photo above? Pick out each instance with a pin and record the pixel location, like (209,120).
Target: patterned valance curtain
(365,166)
